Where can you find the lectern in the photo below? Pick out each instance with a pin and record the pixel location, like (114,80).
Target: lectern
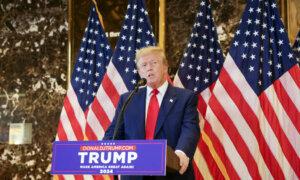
(114,157)
(172,160)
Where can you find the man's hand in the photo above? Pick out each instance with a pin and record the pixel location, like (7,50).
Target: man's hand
(183,161)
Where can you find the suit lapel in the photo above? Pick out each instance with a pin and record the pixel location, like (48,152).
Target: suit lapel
(169,100)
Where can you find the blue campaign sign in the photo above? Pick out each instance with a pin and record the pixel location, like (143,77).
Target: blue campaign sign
(125,157)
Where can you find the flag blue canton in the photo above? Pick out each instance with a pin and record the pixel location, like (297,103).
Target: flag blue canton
(261,47)
(93,57)
(203,57)
(296,47)
(136,33)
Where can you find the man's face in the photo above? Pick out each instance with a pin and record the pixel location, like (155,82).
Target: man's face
(151,67)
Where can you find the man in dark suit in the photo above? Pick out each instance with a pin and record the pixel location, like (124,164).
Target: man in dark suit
(160,111)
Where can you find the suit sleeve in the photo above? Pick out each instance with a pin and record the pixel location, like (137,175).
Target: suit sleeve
(110,131)
(190,130)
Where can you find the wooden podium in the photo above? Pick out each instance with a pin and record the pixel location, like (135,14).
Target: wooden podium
(172,160)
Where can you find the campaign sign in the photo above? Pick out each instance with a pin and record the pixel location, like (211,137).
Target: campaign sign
(125,157)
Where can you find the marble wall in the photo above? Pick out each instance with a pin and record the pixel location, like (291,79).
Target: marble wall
(33,66)
(33,70)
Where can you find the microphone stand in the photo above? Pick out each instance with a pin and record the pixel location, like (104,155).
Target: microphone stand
(120,119)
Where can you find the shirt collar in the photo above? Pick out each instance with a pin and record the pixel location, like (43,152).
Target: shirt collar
(162,89)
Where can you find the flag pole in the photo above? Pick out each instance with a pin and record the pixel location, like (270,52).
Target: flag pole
(99,14)
(162,23)
(70,32)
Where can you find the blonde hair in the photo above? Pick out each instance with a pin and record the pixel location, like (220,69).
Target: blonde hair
(149,50)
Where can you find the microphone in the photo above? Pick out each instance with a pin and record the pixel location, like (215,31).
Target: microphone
(141,82)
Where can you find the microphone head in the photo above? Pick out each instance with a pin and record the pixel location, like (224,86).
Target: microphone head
(142,82)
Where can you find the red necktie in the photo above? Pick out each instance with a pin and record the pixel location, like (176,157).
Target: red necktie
(152,115)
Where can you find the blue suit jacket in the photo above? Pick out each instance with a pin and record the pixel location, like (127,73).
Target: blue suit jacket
(177,120)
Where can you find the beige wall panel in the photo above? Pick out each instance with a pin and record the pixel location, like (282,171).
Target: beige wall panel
(293,17)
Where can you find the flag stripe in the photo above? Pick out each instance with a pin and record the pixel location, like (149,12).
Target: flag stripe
(90,134)
(207,156)
(218,153)
(116,79)
(99,127)
(202,105)
(197,174)
(100,114)
(74,122)
(292,85)
(66,124)
(253,123)
(234,135)
(99,177)
(280,152)
(200,167)
(204,152)
(238,113)
(294,74)
(285,122)
(61,134)
(68,177)
(286,146)
(234,164)
(96,127)
(89,177)
(110,90)
(205,94)
(60,177)
(103,177)
(253,101)
(79,177)
(288,105)
(73,102)
(106,104)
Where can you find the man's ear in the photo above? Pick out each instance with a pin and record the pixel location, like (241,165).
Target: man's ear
(166,69)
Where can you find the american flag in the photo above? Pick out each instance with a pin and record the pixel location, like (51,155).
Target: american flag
(198,71)
(121,75)
(254,108)
(93,57)
(296,47)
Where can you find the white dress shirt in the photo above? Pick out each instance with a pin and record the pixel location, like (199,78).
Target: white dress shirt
(161,92)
